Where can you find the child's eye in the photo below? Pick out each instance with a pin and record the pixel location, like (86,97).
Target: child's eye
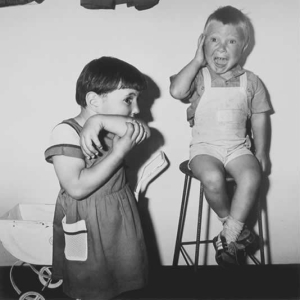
(128,101)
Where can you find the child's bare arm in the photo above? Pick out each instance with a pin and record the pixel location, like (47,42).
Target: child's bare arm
(260,128)
(115,124)
(181,83)
(79,181)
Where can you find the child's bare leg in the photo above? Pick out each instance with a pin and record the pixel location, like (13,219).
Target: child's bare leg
(210,171)
(246,171)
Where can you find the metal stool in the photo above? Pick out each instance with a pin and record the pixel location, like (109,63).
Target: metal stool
(179,246)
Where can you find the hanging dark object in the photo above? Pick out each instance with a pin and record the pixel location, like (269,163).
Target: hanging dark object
(4,3)
(111,4)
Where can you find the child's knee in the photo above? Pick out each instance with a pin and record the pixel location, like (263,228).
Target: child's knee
(250,178)
(213,180)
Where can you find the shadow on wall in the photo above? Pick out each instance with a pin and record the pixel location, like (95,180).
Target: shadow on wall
(141,153)
(265,185)
(137,158)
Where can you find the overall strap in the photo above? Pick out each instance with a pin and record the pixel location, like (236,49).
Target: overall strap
(243,85)
(206,77)
(243,81)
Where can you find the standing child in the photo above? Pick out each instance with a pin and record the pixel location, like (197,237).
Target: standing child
(98,244)
(223,98)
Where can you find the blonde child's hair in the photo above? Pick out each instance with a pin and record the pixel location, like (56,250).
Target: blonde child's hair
(233,16)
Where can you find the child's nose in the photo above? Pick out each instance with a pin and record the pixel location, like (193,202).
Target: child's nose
(135,108)
(222,47)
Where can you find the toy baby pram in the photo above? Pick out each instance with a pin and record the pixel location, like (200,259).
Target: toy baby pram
(26,232)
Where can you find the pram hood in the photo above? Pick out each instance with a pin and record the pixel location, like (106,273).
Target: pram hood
(26,231)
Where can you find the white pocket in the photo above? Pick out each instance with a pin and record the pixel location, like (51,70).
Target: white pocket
(75,240)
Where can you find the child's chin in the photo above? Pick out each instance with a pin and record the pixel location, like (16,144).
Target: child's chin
(220,69)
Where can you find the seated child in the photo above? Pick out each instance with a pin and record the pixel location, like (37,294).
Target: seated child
(223,98)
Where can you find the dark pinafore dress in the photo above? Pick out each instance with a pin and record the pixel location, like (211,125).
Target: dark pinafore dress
(98,243)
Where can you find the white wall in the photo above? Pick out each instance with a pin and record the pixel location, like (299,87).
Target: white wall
(44,48)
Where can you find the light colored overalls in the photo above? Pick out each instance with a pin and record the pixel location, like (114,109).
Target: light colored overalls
(220,121)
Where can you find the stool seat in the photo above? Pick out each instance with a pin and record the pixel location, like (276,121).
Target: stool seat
(179,246)
(185,170)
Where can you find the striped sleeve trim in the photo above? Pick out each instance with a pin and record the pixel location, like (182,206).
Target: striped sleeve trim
(63,149)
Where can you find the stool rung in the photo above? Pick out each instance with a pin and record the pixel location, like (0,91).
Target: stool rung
(254,259)
(194,243)
(186,256)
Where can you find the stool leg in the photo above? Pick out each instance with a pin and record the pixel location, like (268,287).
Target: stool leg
(261,238)
(184,202)
(199,227)
(260,232)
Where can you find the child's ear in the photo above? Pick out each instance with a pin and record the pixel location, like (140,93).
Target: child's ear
(93,100)
(245,47)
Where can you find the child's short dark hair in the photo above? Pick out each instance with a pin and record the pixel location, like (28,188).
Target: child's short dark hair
(106,74)
(233,16)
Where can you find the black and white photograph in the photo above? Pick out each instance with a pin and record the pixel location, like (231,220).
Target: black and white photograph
(150,150)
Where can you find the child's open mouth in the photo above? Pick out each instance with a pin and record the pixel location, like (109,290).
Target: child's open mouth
(220,61)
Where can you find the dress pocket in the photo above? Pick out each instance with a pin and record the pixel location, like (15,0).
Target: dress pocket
(76,245)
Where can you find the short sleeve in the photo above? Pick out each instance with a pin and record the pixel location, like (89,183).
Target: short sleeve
(259,102)
(64,134)
(64,140)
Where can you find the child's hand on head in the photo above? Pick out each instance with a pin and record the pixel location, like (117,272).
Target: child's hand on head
(199,56)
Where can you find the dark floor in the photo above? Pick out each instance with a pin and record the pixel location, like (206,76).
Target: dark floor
(210,282)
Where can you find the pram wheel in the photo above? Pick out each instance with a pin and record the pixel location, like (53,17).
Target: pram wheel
(45,278)
(31,296)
